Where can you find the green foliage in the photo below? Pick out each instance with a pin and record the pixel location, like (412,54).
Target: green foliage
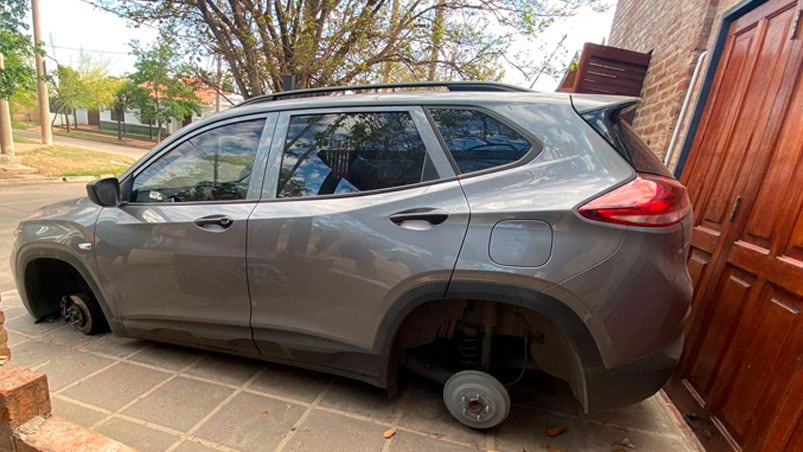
(89,86)
(15,45)
(161,72)
(336,42)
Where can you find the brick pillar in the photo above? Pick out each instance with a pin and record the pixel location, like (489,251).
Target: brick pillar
(25,421)
(5,353)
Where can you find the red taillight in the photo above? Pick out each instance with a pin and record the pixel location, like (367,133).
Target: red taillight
(647,200)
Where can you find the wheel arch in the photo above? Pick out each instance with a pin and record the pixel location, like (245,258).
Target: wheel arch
(32,254)
(566,320)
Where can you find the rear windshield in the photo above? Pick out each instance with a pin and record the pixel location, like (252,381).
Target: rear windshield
(617,131)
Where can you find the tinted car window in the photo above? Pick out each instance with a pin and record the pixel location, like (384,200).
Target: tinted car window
(329,154)
(478,141)
(620,134)
(213,166)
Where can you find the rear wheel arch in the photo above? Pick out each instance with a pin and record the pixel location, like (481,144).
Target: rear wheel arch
(565,321)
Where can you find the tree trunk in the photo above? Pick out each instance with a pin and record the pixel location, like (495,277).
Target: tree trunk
(159,131)
(387,68)
(437,41)
(67,120)
(119,127)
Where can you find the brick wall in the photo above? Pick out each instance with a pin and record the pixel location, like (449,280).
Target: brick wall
(676,33)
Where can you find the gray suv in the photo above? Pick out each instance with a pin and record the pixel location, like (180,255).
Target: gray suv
(464,231)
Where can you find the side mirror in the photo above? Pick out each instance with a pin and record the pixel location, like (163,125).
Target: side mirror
(104,192)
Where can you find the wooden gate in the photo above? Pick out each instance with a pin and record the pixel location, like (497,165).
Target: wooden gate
(742,362)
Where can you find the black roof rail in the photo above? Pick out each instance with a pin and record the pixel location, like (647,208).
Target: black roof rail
(471,86)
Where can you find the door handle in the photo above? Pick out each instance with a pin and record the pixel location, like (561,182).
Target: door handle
(432,216)
(214,220)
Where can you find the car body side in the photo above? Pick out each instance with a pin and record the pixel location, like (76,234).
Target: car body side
(615,296)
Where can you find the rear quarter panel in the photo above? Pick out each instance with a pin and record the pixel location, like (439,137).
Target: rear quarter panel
(575,164)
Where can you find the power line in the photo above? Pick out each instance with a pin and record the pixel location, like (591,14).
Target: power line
(90,50)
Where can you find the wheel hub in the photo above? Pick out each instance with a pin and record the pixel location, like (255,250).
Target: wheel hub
(74,316)
(475,406)
(72,312)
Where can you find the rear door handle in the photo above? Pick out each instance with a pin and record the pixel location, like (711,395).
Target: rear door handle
(432,216)
(214,220)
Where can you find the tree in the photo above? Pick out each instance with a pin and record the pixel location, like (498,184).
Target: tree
(128,95)
(338,42)
(162,72)
(17,49)
(89,86)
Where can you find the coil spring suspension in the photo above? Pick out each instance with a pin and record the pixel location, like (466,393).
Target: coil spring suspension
(469,348)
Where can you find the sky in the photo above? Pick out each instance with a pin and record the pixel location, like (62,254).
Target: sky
(70,26)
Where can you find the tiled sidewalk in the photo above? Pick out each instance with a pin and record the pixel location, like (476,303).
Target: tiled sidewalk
(157,397)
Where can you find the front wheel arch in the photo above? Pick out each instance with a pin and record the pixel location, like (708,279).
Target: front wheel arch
(31,254)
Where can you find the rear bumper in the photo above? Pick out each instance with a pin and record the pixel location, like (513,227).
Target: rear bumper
(632,382)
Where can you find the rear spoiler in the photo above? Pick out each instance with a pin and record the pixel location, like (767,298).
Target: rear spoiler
(585,103)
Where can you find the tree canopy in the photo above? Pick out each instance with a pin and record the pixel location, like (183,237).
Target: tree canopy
(87,86)
(17,49)
(339,42)
(160,70)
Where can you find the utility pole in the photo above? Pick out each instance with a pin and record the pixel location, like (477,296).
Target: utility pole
(6,141)
(44,103)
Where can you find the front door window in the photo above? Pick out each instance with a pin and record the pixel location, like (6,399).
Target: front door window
(213,166)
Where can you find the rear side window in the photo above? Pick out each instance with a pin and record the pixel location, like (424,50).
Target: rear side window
(618,132)
(477,141)
(327,154)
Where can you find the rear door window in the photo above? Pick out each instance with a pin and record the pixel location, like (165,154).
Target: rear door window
(341,153)
(477,141)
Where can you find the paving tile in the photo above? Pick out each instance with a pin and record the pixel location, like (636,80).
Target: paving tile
(597,437)
(15,338)
(34,353)
(361,398)
(137,436)
(166,356)
(112,345)
(525,428)
(647,415)
(28,326)
(226,369)
(425,412)
(66,368)
(251,422)
(75,413)
(12,311)
(180,403)
(67,337)
(116,386)
(332,432)
(190,446)
(405,441)
(294,383)
(541,391)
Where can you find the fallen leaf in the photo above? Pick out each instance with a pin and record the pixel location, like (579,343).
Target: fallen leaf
(389,433)
(555,431)
(627,443)
(553,449)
